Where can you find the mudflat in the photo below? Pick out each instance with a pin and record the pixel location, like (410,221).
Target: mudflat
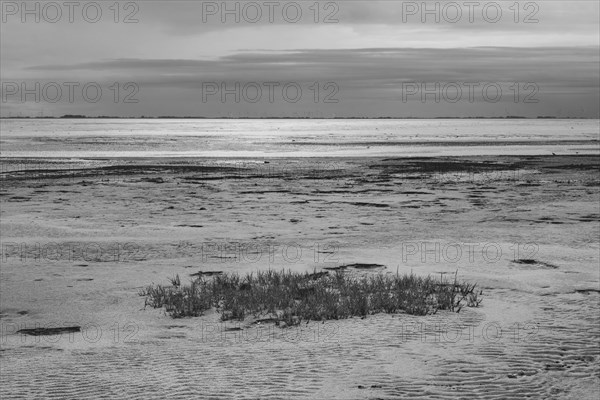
(80,240)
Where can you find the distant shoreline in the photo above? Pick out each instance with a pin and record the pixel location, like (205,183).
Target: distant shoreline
(307,118)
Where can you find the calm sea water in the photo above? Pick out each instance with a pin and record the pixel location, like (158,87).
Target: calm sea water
(87,138)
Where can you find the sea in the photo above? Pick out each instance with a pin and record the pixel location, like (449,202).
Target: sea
(79,139)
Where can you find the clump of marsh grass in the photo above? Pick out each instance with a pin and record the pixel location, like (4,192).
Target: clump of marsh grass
(289,297)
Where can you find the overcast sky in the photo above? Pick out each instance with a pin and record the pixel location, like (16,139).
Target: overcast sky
(284,59)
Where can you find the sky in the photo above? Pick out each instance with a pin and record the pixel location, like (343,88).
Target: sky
(345,58)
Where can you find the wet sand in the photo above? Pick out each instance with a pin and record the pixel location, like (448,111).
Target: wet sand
(79,240)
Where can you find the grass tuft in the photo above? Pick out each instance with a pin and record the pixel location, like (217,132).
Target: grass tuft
(290,297)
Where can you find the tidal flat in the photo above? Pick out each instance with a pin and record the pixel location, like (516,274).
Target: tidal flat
(81,239)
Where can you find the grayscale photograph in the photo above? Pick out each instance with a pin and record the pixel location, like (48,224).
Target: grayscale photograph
(304,199)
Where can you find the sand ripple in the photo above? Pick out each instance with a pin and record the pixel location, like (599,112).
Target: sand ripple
(378,357)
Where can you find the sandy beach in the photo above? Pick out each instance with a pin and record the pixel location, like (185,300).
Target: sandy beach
(80,240)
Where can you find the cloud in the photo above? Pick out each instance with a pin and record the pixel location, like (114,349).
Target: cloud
(193,17)
(371,79)
(372,49)
(563,65)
